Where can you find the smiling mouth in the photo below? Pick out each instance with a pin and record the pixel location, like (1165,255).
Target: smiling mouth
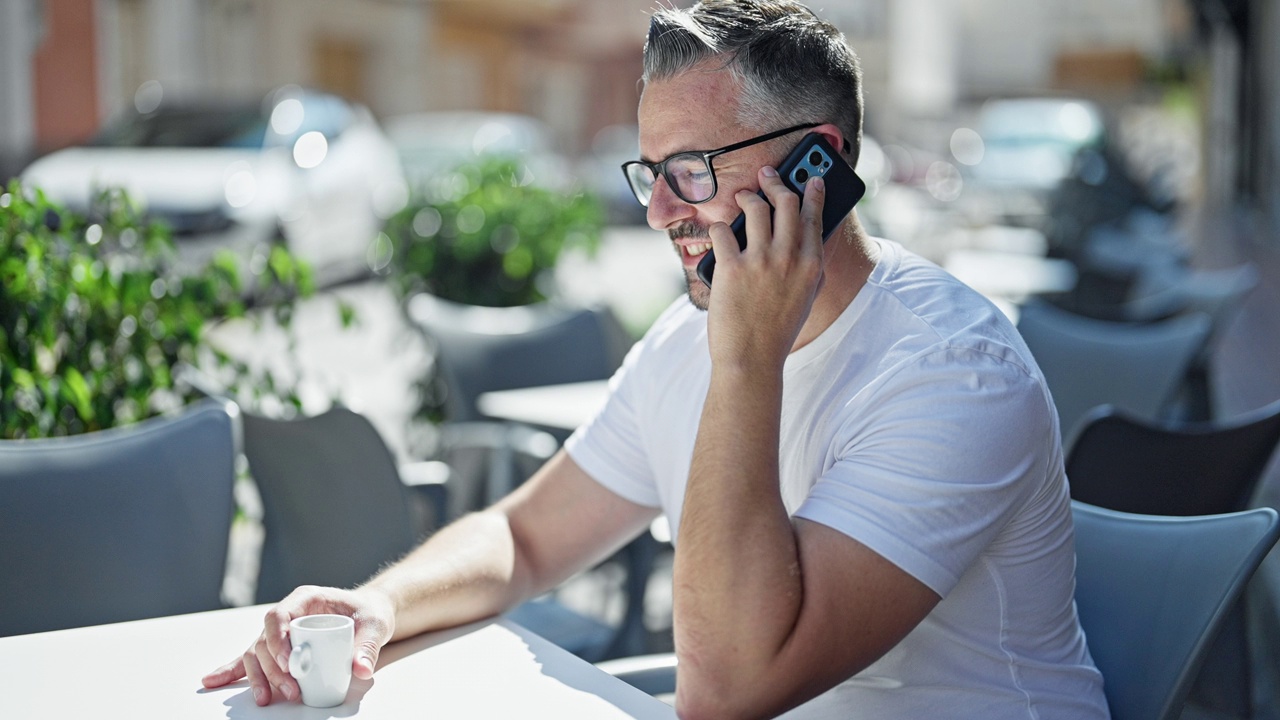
(696,249)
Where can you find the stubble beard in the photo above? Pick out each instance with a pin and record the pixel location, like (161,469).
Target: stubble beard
(699,293)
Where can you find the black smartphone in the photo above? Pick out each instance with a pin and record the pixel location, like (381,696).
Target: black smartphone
(812,157)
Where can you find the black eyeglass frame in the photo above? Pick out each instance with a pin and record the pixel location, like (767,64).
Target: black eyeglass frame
(659,169)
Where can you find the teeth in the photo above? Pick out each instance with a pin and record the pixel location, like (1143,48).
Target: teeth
(695,250)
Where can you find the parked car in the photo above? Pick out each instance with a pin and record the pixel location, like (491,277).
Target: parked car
(304,168)
(1032,142)
(1022,151)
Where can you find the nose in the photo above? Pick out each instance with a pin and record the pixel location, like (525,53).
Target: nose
(665,209)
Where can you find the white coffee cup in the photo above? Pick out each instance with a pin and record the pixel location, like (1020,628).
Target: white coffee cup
(323,647)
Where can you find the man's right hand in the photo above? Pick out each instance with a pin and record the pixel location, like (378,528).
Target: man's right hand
(266,662)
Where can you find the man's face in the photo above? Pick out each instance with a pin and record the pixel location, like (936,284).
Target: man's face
(696,111)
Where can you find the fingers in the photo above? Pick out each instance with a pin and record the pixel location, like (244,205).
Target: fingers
(275,636)
(374,628)
(258,682)
(786,205)
(266,663)
(272,673)
(815,196)
(366,656)
(224,675)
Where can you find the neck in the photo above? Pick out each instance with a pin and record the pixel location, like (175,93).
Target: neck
(850,257)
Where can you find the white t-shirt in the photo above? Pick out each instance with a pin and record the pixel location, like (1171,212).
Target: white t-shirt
(919,425)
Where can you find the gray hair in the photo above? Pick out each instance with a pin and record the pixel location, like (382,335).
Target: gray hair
(793,67)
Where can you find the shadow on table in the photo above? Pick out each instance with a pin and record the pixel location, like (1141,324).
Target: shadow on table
(584,677)
(241,705)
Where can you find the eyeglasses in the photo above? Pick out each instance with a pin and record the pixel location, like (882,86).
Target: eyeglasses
(689,174)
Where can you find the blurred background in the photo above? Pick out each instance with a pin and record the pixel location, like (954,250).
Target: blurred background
(1099,153)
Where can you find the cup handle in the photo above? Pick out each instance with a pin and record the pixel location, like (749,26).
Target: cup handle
(300,660)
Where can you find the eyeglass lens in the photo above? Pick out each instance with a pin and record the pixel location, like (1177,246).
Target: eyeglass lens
(687,174)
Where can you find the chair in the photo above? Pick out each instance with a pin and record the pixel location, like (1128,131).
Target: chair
(1218,293)
(1126,463)
(117,525)
(1167,289)
(334,507)
(1153,591)
(1089,362)
(480,349)
(1129,464)
(335,511)
(654,674)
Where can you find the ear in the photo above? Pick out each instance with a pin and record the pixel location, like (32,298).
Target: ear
(835,136)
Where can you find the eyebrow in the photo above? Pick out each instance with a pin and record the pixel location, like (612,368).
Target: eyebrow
(678,152)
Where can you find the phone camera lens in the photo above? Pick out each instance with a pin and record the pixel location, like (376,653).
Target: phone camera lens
(802,176)
(815,158)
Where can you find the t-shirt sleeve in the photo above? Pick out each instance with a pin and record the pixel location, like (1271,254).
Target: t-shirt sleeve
(936,461)
(611,447)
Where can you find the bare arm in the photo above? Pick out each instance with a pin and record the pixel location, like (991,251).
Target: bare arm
(769,612)
(557,523)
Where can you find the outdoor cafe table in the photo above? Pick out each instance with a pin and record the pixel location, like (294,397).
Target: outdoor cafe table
(151,669)
(559,407)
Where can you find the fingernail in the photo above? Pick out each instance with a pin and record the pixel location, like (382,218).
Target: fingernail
(257,695)
(769,171)
(286,691)
(283,661)
(818,183)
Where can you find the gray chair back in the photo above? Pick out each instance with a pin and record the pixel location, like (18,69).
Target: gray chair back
(480,349)
(334,508)
(1165,290)
(117,525)
(1122,462)
(1089,362)
(1153,591)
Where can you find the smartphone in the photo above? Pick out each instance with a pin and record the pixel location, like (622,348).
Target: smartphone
(812,157)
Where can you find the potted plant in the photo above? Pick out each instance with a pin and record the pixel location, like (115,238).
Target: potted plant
(484,235)
(96,323)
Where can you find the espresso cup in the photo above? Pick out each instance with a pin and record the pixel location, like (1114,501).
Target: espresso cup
(323,647)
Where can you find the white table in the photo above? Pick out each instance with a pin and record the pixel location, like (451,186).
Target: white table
(152,669)
(1011,276)
(561,407)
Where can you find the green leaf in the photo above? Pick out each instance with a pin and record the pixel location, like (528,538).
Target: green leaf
(347,314)
(76,391)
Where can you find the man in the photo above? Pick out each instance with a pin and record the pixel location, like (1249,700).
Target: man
(857,453)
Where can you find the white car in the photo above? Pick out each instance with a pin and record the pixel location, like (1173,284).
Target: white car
(1033,142)
(303,168)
